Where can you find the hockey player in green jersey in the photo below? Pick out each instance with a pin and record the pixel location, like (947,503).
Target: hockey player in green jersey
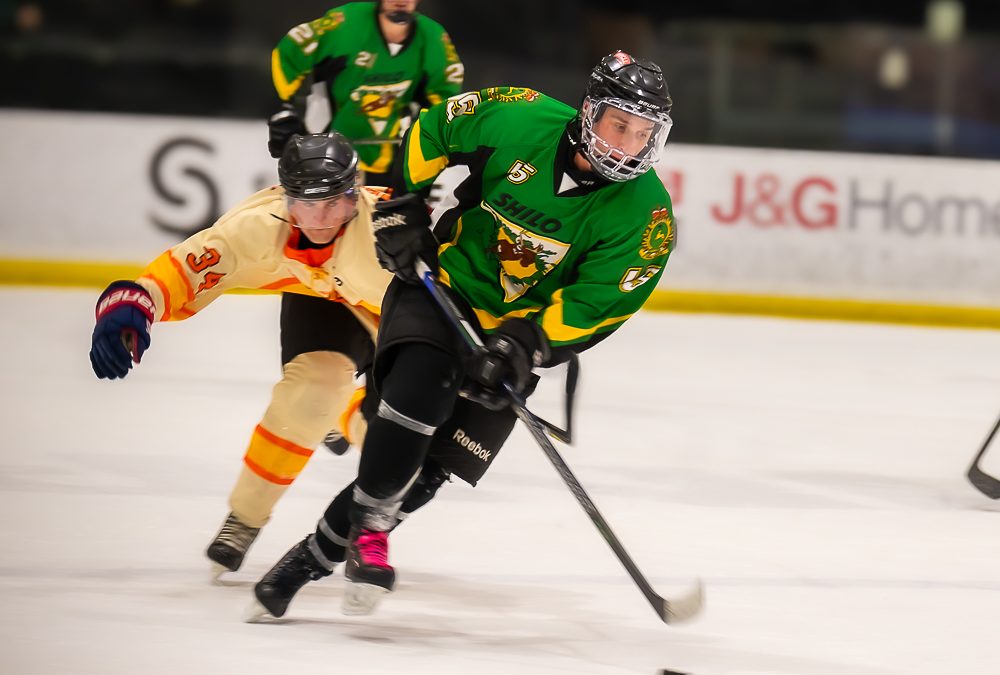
(557,233)
(374,58)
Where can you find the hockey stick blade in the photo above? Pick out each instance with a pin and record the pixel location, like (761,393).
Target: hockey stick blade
(674,611)
(982,481)
(684,607)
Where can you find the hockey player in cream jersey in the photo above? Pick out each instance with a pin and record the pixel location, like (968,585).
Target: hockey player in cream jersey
(311,236)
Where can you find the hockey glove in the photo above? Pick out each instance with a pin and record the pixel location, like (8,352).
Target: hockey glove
(402,234)
(124,316)
(280,127)
(518,346)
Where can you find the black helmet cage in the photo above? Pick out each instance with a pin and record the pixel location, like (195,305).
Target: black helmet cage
(318,166)
(637,87)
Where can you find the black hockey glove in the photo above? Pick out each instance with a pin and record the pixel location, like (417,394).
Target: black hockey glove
(281,126)
(402,234)
(124,316)
(512,351)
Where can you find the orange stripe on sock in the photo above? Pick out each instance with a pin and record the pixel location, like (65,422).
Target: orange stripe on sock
(275,459)
(266,475)
(282,443)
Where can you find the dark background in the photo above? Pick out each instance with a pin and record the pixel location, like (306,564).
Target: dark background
(771,74)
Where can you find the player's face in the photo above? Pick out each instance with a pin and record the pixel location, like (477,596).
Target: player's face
(622,132)
(321,219)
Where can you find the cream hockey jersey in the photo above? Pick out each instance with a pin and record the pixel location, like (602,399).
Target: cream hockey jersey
(253,247)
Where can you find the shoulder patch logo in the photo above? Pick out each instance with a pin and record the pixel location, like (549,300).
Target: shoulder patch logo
(511,94)
(659,236)
(450,54)
(306,33)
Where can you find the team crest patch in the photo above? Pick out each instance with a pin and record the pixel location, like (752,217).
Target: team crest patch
(658,237)
(509,94)
(379,101)
(525,257)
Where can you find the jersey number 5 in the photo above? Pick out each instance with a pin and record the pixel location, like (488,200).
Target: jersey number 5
(520,172)
(637,276)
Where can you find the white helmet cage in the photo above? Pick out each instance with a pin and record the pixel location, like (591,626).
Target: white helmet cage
(610,161)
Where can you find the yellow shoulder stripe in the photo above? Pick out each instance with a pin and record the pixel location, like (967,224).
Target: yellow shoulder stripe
(419,168)
(284,88)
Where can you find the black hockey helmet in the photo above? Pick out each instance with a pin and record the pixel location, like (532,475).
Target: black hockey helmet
(318,166)
(633,86)
(623,76)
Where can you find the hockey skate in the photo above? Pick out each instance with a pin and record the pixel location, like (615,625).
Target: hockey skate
(336,443)
(276,589)
(367,571)
(230,546)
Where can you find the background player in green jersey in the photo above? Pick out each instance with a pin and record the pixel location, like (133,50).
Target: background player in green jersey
(558,233)
(374,60)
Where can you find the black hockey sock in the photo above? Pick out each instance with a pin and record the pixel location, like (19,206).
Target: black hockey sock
(432,476)
(334,527)
(417,395)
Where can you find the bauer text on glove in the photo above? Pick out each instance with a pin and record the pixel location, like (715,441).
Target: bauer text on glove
(124,315)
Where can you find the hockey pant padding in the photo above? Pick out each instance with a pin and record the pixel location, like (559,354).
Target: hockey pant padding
(334,527)
(305,404)
(416,395)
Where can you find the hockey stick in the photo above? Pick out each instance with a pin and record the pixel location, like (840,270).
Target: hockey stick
(984,482)
(677,610)
(474,343)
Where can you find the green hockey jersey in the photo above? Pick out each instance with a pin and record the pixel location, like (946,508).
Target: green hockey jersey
(525,239)
(370,88)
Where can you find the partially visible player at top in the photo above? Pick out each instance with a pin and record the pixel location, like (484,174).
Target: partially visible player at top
(559,233)
(374,59)
(311,237)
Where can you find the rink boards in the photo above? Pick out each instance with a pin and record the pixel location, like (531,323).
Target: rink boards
(91,197)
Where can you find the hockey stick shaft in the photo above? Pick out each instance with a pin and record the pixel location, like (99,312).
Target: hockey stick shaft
(985,483)
(668,611)
(475,343)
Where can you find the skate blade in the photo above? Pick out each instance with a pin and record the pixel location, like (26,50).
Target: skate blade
(216,574)
(361,599)
(257,613)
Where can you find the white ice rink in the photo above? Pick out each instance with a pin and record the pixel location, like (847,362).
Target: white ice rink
(810,472)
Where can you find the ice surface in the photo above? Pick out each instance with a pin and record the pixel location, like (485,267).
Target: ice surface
(810,472)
